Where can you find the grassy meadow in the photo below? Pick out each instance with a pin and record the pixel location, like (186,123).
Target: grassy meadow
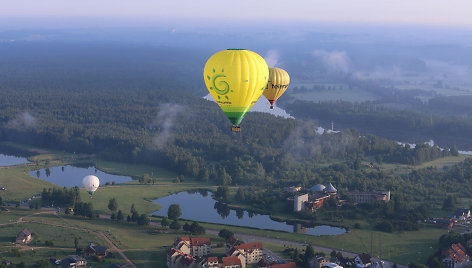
(146,246)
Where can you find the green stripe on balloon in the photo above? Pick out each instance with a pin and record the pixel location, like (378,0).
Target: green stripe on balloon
(235,117)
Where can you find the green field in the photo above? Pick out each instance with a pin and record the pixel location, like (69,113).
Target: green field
(401,169)
(139,195)
(146,246)
(19,184)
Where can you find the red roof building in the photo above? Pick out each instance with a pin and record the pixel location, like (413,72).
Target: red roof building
(195,246)
(231,262)
(249,246)
(200,241)
(455,256)
(252,252)
(24,237)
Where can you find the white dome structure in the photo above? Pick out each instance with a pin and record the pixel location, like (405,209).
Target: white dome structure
(330,188)
(318,188)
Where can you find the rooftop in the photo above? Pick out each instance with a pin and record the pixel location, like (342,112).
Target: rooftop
(249,246)
(229,261)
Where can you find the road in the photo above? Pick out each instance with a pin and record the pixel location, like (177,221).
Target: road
(112,246)
(253,238)
(245,237)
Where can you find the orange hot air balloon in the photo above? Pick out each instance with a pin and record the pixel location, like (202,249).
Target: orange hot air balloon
(276,86)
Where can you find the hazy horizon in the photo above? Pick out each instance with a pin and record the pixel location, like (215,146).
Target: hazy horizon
(436,13)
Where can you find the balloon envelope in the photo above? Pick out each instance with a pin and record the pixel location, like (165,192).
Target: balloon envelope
(91,183)
(236,79)
(277,84)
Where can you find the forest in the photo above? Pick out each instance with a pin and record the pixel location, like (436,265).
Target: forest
(72,98)
(189,135)
(185,133)
(398,124)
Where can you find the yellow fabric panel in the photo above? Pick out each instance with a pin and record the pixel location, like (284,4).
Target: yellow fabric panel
(236,78)
(277,84)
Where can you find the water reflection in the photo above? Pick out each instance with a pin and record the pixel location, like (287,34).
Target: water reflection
(201,206)
(239,213)
(10,160)
(222,209)
(70,176)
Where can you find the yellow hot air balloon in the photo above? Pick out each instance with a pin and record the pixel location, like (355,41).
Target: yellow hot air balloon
(236,79)
(277,84)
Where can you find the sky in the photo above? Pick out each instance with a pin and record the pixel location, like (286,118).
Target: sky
(417,12)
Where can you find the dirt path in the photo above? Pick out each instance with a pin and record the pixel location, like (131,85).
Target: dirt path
(21,219)
(112,246)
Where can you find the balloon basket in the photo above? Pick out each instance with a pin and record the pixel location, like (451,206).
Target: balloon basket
(271,107)
(236,128)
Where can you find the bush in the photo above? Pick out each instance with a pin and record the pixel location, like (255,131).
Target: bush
(385,226)
(175,225)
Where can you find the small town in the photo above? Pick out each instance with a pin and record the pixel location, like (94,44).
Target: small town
(235,134)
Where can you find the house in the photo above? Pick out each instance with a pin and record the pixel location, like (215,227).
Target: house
(231,242)
(213,262)
(252,252)
(198,246)
(232,262)
(363,259)
(24,237)
(172,256)
(462,214)
(177,259)
(74,261)
(93,250)
(455,256)
(318,262)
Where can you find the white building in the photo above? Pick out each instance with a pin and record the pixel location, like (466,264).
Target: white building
(299,202)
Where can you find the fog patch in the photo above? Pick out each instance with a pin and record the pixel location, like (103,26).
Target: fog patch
(380,73)
(272,58)
(334,61)
(308,140)
(165,122)
(23,121)
(447,70)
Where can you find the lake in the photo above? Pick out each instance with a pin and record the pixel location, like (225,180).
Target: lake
(70,176)
(200,206)
(10,160)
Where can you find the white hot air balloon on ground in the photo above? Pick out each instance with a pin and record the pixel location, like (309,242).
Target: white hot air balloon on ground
(90,183)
